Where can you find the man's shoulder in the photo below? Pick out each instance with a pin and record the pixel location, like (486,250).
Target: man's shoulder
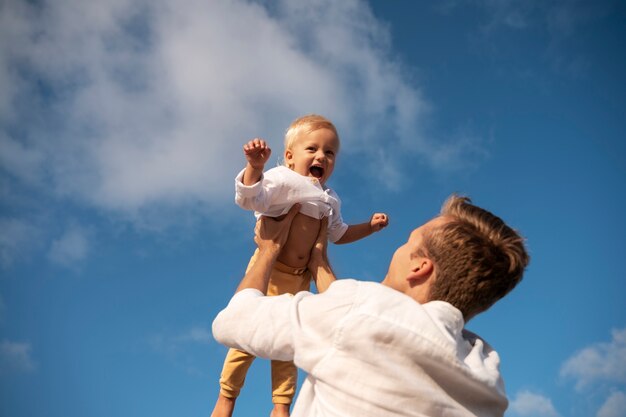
(391,308)
(354,284)
(343,286)
(372,295)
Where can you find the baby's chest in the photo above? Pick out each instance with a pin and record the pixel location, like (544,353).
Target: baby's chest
(303,232)
(305,226)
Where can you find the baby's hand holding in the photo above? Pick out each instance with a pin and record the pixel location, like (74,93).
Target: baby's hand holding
(257,153)
(379,221)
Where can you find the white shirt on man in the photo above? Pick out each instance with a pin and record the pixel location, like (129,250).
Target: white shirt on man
(280,188)
(369,351)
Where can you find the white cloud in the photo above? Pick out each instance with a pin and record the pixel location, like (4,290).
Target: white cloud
(16,357)
(561,22)
(185,349)
(598,362)
(614,406)
(15,157)
(71,247)
(527,403)
(561,17)
(126,104)
(196,335)
(17,237)
(173,343)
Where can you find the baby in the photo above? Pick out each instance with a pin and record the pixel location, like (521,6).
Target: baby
(311,148)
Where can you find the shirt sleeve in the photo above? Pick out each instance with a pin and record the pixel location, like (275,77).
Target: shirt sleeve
(336,227)
(298,328)
(258,196)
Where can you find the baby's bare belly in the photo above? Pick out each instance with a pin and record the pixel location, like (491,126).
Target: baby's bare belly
(302,236)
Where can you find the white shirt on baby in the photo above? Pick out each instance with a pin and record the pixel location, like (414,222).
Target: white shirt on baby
(280,188)
(369,351)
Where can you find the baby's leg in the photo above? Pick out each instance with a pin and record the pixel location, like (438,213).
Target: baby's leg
(285,279)
(236,367)
(284,380)
(234,372)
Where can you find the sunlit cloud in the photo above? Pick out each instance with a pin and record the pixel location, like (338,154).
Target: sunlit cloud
(560,20)
(172,343)
(600,362)
(71,247)
(17,238)
(197,335)
(614,406)
(129,104)
(18,159)
(16,357)
(179,347)
(530,404)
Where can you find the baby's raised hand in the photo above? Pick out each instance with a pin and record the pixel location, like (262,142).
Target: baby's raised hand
(257,153)
(379,221)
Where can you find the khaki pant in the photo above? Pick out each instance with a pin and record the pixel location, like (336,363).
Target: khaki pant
(283,279)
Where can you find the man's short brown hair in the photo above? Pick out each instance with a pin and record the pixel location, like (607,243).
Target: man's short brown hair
(478,258)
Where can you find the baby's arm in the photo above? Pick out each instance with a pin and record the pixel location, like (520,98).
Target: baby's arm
(257,153)
(254,189)
(355,232)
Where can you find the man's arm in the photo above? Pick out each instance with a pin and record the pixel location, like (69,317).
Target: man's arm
(319,266)
(239,324)
(270,236)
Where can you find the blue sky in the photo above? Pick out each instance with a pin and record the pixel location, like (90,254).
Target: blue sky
(121,125)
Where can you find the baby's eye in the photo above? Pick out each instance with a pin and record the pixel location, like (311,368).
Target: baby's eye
(331,153)
(310,148)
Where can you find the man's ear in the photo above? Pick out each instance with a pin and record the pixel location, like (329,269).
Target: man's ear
(422,270)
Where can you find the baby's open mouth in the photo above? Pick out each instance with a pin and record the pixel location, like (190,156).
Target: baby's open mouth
(317,171)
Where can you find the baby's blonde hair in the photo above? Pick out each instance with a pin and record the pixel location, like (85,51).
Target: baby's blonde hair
(307,124)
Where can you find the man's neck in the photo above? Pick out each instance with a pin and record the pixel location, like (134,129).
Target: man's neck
(418,292)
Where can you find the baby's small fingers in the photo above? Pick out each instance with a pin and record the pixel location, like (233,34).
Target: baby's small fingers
(255,146)
(379,221)
(259,143)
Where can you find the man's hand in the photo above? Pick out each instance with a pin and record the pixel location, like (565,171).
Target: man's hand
(257,153)
(319,253)
(271,234)
(378,221)
(319,266)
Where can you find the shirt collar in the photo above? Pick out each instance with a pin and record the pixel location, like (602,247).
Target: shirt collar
(449,316)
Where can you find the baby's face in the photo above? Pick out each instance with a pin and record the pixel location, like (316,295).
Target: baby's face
(313,154)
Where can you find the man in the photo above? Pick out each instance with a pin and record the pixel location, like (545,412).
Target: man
(397,348)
